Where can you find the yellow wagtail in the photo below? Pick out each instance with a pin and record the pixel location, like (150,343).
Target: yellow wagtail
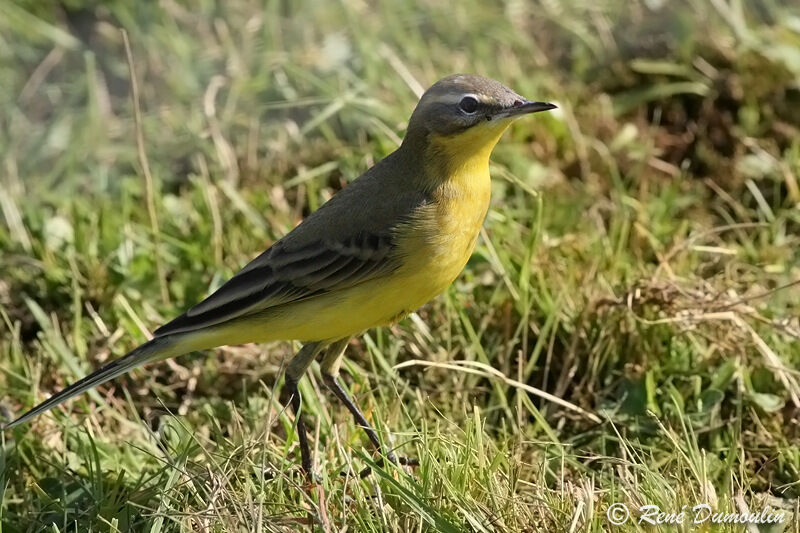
(379,249)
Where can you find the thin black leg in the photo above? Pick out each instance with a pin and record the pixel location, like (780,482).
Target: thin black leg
(302,435)
(332,382)
(294,371)
(329,368)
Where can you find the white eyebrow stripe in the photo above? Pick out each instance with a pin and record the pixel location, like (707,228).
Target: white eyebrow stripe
(455,98)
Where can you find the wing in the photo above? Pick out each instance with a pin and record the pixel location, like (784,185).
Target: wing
(284,274)
(352,238)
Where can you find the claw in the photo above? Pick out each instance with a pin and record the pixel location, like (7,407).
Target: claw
(391,457)
(311,477)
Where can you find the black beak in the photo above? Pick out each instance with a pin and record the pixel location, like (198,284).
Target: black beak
(523,108)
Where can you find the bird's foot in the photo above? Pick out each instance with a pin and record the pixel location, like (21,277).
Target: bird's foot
(392,458)
(313,478)
(309,477)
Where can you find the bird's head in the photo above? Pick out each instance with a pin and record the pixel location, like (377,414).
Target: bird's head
(466,114)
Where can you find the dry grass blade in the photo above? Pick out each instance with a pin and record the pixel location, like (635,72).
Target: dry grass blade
(149,185)
(637,268)
(480,369)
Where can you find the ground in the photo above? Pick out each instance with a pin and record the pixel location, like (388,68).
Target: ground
(625,333)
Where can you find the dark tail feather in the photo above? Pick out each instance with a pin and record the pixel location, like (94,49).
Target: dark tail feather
(149,351)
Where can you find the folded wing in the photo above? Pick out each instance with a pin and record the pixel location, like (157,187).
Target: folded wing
(285,274)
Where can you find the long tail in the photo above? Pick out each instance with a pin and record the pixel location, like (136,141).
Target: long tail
(158,348)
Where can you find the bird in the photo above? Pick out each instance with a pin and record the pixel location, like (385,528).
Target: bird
(380,248)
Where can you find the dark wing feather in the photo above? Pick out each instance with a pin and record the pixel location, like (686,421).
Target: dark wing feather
(282,275)
(349,240)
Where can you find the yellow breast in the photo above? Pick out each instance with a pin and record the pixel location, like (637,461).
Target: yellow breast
(433,248)
(442,241)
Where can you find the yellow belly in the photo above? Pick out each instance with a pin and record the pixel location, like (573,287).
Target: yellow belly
(433,251)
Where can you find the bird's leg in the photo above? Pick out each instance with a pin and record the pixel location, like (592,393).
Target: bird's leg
(329,368)
(294,371)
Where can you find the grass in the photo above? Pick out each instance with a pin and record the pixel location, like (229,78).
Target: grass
(640,262)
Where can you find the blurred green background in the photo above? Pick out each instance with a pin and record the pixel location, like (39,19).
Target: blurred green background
(640,261)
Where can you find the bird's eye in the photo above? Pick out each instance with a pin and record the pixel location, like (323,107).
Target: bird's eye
(468,104)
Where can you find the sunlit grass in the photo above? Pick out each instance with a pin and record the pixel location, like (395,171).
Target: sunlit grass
(638,264)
